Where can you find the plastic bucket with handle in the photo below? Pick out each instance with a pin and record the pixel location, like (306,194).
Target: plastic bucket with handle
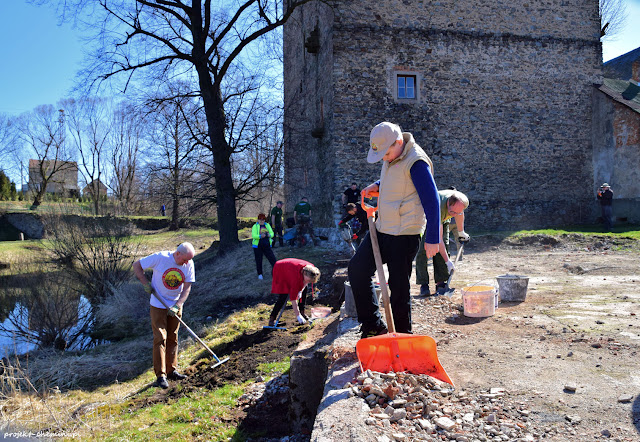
(479,301)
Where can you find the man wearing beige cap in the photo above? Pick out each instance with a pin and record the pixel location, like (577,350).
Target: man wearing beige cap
(408,200)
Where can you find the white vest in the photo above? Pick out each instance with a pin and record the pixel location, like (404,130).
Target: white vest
(400,211)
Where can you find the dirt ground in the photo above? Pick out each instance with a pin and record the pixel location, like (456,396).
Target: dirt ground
(570,351)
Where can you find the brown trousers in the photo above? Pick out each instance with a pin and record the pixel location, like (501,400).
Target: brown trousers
(165,340)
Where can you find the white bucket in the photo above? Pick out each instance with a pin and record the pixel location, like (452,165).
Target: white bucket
(479,301)
(512,288)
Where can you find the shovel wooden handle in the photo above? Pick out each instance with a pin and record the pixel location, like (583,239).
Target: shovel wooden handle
(378,258)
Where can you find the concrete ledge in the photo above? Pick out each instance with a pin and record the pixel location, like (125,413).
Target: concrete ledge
(341,415)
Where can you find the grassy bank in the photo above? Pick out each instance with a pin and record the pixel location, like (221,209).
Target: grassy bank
(105,393)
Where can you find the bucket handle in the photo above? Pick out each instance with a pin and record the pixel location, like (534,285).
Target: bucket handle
(495,290)
(483,280)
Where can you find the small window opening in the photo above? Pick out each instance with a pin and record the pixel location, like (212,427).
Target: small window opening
(407,86)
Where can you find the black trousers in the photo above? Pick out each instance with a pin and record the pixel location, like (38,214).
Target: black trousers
(398,253)
(277,230)
(266,250)
(282,299)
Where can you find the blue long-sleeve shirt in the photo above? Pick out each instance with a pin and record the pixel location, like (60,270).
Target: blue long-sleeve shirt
(428,193)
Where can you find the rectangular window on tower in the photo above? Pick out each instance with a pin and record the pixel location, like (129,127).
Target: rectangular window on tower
(406,87)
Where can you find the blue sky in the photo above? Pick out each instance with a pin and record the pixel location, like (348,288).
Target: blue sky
(39,58)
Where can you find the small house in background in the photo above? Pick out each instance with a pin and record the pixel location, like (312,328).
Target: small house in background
(94,186)
(616,134)
(63,181)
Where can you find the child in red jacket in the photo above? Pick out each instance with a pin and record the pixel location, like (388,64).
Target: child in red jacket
(291,277)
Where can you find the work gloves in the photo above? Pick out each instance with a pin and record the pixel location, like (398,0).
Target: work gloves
(148,288)
(301,319)
(450,266)
(463,236)
(173,311)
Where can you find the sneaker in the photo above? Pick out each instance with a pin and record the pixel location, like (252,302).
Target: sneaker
(424,291)
(161,382)
(175,376)
(260,277)
(379,329)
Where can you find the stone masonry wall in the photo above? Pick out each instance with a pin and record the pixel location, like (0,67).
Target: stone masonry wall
(503,106)
(308,97)
(616,155)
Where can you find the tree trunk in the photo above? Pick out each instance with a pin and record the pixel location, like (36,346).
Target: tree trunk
(37,200)
(174,225)
(225,192)
(226,202)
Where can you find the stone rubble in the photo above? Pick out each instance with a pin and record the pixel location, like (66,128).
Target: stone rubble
(262,392)
(423,408)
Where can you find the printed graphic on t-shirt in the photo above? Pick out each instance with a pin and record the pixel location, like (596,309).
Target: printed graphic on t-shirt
(173,278)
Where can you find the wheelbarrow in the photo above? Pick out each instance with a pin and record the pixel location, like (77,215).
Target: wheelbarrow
(393,351)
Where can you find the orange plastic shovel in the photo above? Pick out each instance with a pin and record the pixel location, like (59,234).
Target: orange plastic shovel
(396,351)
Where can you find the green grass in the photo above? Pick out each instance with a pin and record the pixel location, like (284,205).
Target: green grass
(627,230)
(622,230)
(271,369)
(20,255)
(199,415)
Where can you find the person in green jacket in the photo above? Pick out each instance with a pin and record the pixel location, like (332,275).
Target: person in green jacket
(452,206)
(262,235)
(276,221)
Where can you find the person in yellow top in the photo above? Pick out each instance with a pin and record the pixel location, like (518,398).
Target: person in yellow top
(262,235)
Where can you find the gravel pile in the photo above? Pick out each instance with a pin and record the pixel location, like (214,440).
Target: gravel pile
(419,407)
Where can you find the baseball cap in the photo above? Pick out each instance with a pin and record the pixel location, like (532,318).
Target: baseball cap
(381,138)
(605,185)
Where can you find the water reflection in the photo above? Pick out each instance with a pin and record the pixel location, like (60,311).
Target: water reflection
(44,312)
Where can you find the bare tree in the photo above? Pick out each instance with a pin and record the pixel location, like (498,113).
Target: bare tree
(258,142)
(96,253)
(174,144)
(126,139)
(7,135)
(201,40)
(42,131)
(9,144)
(87,124)
(613,15)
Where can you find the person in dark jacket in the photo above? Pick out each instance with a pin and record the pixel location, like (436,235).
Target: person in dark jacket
(605,196)
(355,211)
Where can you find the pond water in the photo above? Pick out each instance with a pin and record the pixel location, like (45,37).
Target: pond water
(10,344)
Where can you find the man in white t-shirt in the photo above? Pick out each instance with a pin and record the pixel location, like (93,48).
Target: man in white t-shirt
(173,273)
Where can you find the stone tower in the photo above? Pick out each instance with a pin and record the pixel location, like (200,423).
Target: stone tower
(498,93)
